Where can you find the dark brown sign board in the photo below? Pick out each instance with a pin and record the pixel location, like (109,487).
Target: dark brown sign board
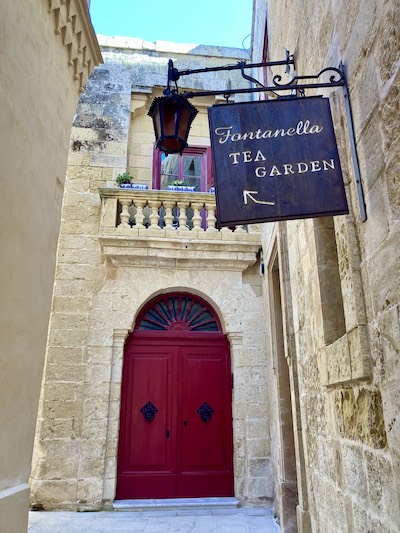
(275,160)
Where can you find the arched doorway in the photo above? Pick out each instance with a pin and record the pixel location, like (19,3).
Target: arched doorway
(176,417)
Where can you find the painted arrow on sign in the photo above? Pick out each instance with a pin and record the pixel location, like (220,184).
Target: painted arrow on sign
(248,194)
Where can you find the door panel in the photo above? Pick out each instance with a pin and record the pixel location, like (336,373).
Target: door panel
(146,457)
(150,392)
(205,460)
(201,443)
(177,453)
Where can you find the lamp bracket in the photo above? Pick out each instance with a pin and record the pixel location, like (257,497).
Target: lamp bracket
(174,74)
(295,87)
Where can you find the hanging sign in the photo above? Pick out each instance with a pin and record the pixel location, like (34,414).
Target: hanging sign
(275,160)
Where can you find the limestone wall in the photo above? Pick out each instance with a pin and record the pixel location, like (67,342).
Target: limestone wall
(96,301)
(343,285)
(39,90)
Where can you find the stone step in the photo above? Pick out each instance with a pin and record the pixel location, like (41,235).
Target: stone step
(174,504)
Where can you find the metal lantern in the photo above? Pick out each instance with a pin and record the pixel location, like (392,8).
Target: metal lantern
(172,117)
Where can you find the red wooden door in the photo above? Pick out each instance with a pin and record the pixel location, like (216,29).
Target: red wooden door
(146,446)
(204,461)
(176,422)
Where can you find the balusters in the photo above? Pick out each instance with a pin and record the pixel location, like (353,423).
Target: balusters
(182,215)
(168,217)
(154,216)
(139,217)
(125,215)
(197,207)
(211,220)
(163,211)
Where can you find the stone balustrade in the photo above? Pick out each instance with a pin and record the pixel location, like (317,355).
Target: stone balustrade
(163,213)
(171,229)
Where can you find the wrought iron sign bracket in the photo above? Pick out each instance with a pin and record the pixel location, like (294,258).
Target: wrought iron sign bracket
(296,87)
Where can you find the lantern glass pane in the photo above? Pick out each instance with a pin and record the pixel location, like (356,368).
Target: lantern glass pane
(184,123)
(169,113)
(156,122)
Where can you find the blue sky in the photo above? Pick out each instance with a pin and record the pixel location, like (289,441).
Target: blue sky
(202,22)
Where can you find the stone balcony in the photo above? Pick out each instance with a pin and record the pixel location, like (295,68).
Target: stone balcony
(171,229)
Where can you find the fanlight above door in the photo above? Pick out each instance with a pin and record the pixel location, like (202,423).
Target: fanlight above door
(178,312)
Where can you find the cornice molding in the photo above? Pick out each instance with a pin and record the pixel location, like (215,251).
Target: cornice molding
(73,25)
(192,254)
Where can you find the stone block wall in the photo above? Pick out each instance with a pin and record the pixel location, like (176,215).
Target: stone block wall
(96,300)
(343,275)
(41,72)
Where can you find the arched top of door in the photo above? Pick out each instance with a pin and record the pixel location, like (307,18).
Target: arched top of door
(178,312)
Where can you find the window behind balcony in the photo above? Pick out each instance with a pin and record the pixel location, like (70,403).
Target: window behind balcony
(192,168)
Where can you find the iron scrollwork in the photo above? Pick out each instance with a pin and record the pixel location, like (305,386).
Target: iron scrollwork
(337,76)
(205,411)
(149,411)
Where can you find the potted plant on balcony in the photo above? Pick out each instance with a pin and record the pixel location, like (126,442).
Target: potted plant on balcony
(124,179)
(180,185)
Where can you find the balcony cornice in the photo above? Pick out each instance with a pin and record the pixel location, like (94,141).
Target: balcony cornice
(180,253)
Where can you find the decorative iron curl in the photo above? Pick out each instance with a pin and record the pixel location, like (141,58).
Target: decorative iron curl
(336,77)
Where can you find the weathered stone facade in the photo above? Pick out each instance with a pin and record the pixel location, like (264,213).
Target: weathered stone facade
(42,70)
(314,339)
(339,278)
(107,270)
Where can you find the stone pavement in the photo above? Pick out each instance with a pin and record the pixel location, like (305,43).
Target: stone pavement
(239,520)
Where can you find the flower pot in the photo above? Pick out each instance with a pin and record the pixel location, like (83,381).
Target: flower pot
(137,186)
(181,188)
